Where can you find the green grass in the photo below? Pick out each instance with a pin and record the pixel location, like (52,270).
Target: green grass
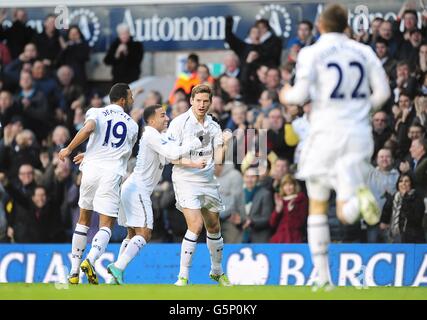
(41,291)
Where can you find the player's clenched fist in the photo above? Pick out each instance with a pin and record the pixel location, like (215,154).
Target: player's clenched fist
(227,136)
(65,152)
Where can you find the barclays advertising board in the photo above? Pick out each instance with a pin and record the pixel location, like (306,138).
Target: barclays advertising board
(255,264)
(189,26)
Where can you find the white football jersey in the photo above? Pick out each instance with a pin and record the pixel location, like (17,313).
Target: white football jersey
(110,145)
(183,129)
(338,74)
(155,150)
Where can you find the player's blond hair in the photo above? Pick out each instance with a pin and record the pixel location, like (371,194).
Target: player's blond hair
(334,18)
(202,88)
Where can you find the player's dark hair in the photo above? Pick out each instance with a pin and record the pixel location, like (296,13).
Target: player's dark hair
(202,88)
(335,18)
(118,91)
(150,111)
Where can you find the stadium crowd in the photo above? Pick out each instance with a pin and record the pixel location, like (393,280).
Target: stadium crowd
(44,94)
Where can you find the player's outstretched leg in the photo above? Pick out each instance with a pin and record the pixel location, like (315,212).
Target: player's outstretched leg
(99,244)
(78,245)
(110,279)
(137,242)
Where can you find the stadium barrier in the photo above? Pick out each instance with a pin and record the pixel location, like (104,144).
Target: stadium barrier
(247,264)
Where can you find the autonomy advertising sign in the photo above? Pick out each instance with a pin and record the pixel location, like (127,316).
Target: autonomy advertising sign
(188,26)
(254,264)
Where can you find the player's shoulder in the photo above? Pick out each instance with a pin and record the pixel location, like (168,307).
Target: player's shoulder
(181,119)
(213,122)
(365,49)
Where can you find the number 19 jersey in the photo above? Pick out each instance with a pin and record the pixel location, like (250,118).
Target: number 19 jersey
(110,145)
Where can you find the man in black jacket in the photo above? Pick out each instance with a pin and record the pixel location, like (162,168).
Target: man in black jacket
(125,56)
(271,45)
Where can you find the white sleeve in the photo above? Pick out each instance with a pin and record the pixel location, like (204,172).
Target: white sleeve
(378,81)
(173,133)
(170,149)
(92,114)
(305,76)
(218,139)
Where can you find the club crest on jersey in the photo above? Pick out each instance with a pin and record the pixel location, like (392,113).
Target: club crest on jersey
(161,166)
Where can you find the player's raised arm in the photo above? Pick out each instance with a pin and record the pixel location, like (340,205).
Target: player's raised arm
(378,81)
(79,138)
(299,93)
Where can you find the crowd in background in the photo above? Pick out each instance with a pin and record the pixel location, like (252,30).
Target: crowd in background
(44,94)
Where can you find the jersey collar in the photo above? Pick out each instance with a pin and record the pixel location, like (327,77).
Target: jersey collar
(194,119)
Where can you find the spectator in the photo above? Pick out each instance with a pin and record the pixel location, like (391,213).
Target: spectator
(187,79)
(125,56)
(5,57)
(232,65)
(231,181)
(47,85)
(23,62)
(382,182)
(18,35)
(22,221)
(271,45)
(238,116)
(381,130)
(268,100)
(386,33)
(33,106)
(233,92)
(421,69)
(417,166)
(47,42)
(409,48)
(404,81)
(421,109)
(281,139)
(382,51)
(217,109)
(75,53)
(204,75)
(3,218)
(403,213)
(273,79)
(304,35)
(7,109)
(258,209)
(240,47)
(290,214)
(19,147)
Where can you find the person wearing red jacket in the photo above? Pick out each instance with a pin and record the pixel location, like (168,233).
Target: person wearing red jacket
(290,213)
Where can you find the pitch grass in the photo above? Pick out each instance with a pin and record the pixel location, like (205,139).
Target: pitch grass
(39,291)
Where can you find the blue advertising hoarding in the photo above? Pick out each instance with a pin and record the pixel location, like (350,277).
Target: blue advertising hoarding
(250,264)
(191,26)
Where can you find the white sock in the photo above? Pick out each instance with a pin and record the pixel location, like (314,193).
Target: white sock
(123,246)
(132,249)
(318,240)
(78,246)
(215,245)
(99,244)
(351,210)
(188,248)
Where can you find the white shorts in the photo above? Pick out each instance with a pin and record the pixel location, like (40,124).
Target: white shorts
(193,195)
(339,161)
(135,208)
(100,191)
